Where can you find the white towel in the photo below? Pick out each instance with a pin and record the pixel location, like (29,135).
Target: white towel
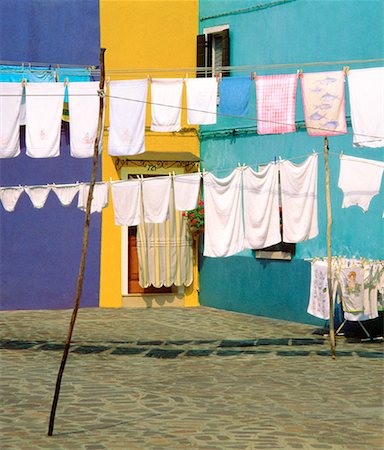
(66,193)
(261,207)
(187,188)
(9,197)
(299,199)
(366,95)
(83,107)
(224,234)
(156,193)
(38,195)
(201,100)
(127,117)
(10,104)
(44,108)
(126,198)
(166,91)
(360,180)
(99,199)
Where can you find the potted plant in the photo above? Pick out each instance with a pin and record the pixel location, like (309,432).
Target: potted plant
(195,220)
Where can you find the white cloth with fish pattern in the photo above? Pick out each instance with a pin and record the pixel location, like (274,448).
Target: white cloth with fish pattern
(324,103)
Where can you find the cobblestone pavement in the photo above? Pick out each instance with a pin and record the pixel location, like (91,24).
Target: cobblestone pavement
(186,378)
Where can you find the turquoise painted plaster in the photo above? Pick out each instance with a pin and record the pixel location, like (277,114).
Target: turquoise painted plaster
(296,32)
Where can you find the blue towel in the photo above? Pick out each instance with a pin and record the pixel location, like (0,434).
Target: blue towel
(17,73)
(234,96)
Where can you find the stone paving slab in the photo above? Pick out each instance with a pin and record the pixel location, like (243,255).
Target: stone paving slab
(233,381)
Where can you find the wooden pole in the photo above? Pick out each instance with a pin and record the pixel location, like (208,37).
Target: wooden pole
(329,251)
(80,277)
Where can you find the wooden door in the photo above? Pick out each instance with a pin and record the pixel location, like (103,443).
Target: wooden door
(133,269)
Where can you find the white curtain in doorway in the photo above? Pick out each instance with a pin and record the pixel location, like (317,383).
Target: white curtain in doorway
(165,251)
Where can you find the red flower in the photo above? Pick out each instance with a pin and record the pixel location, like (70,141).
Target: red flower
(191,215)
(183,214)
(201,202)
(194,221)
(202,211)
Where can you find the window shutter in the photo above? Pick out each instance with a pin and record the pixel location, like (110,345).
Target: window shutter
(200,54)
(225,51)
(209,54)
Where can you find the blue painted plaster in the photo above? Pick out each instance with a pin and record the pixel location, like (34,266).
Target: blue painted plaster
(296,32)
(40,248)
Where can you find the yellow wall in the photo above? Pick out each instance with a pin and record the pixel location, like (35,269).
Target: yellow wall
(142,34)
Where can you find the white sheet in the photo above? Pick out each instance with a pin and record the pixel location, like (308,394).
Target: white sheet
(9,197)
(366,96)
(66,193)
(360,180)
(299,199)
(44,108)
(127,117)
(166,91)
(99,200)
(187,188)
(224,235)
(38,195)
(156,193)
(126,197)
(201,100)
(10,104)
(261,207)
(83,107)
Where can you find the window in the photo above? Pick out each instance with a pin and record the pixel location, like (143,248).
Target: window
(213,51)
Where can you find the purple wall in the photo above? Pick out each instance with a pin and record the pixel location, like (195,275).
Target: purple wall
(40,248)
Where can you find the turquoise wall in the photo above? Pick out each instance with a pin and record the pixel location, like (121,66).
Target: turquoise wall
(292,32)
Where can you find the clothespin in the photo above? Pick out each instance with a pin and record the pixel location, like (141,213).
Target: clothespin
(186,75)
(217,77)
(274,159)
(346,70)
(300,73)
(220,77)
(254,75)
(149,78)
(173,173)
(66,81)
(108,80)
(341,154)
(23,82)
(204,172)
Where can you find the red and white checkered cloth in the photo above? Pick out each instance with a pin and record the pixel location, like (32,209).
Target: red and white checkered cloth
(276,103)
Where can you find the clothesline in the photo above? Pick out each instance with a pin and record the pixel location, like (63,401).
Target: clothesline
(202,173)
(182,108)
(95,70)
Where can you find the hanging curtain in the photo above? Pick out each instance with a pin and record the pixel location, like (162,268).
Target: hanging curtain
(165,251)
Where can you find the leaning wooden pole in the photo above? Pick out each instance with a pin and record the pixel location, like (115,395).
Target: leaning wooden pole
(329,252)
(80,277)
